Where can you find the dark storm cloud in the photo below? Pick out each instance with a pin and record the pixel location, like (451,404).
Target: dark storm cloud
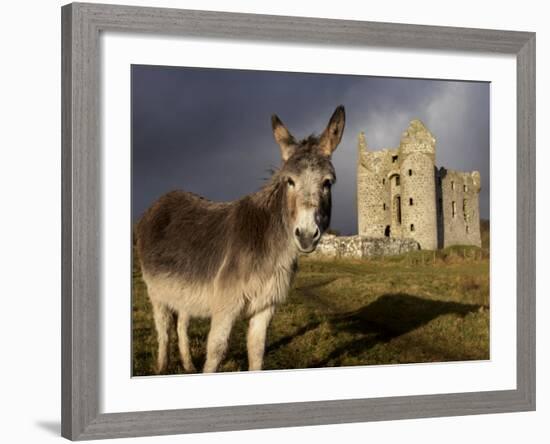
(208,130)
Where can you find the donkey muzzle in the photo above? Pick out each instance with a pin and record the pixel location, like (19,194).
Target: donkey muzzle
(307,240)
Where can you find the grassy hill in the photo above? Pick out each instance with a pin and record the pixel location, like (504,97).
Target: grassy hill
(419,307)
(484,228)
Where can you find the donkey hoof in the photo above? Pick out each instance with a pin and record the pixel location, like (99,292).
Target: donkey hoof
(190,369)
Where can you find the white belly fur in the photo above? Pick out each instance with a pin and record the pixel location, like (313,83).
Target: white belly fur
(202,300)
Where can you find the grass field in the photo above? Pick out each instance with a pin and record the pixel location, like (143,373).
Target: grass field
(419,307)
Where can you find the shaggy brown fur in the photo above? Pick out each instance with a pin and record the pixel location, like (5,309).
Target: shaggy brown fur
(204,258)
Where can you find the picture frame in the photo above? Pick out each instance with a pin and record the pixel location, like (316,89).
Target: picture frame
(81,235)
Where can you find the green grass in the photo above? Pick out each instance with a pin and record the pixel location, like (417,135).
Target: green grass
(419,307)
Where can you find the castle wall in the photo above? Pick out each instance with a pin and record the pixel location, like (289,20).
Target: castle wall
(418,199)
(373,191)
(396,203)
(460,207)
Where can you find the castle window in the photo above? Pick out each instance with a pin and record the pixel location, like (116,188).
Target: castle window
(452,185)
(387,231)
(465,188)
(384,206)
(397,209)
(394,159)
(397,181)
(410,200)
(384,181)
(465,209)
(410,172)
(412,227)
(467,229)
(454,208)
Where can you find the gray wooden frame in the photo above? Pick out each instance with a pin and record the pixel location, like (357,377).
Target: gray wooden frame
(81,166)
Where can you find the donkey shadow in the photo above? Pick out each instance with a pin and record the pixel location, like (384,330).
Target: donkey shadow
(389,316)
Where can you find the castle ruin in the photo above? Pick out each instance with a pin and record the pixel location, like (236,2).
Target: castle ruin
(402,194)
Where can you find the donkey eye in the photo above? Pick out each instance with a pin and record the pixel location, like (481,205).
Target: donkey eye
(327,184)
(290,182)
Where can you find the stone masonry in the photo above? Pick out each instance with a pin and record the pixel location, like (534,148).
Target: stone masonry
(362,247)
(402,194)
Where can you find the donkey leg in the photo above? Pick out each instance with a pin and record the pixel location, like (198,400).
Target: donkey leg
(220,329)
(163,318)
(183,341)
(257,330)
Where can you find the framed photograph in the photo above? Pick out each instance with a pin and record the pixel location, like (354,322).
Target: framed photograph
(278,221)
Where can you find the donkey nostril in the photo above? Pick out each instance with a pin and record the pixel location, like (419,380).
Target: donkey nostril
(297,232)
(316,234)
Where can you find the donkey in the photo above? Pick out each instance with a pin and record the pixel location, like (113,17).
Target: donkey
(219,260)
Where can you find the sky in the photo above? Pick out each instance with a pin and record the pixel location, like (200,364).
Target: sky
(209,130)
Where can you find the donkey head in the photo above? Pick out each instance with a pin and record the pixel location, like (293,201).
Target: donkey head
(307,176)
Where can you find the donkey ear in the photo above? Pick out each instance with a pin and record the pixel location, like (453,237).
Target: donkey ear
(332,135)
(283,137)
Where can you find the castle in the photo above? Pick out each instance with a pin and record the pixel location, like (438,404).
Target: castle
(402,194)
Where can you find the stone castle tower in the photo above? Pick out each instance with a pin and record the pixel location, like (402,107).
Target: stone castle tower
(402,194)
